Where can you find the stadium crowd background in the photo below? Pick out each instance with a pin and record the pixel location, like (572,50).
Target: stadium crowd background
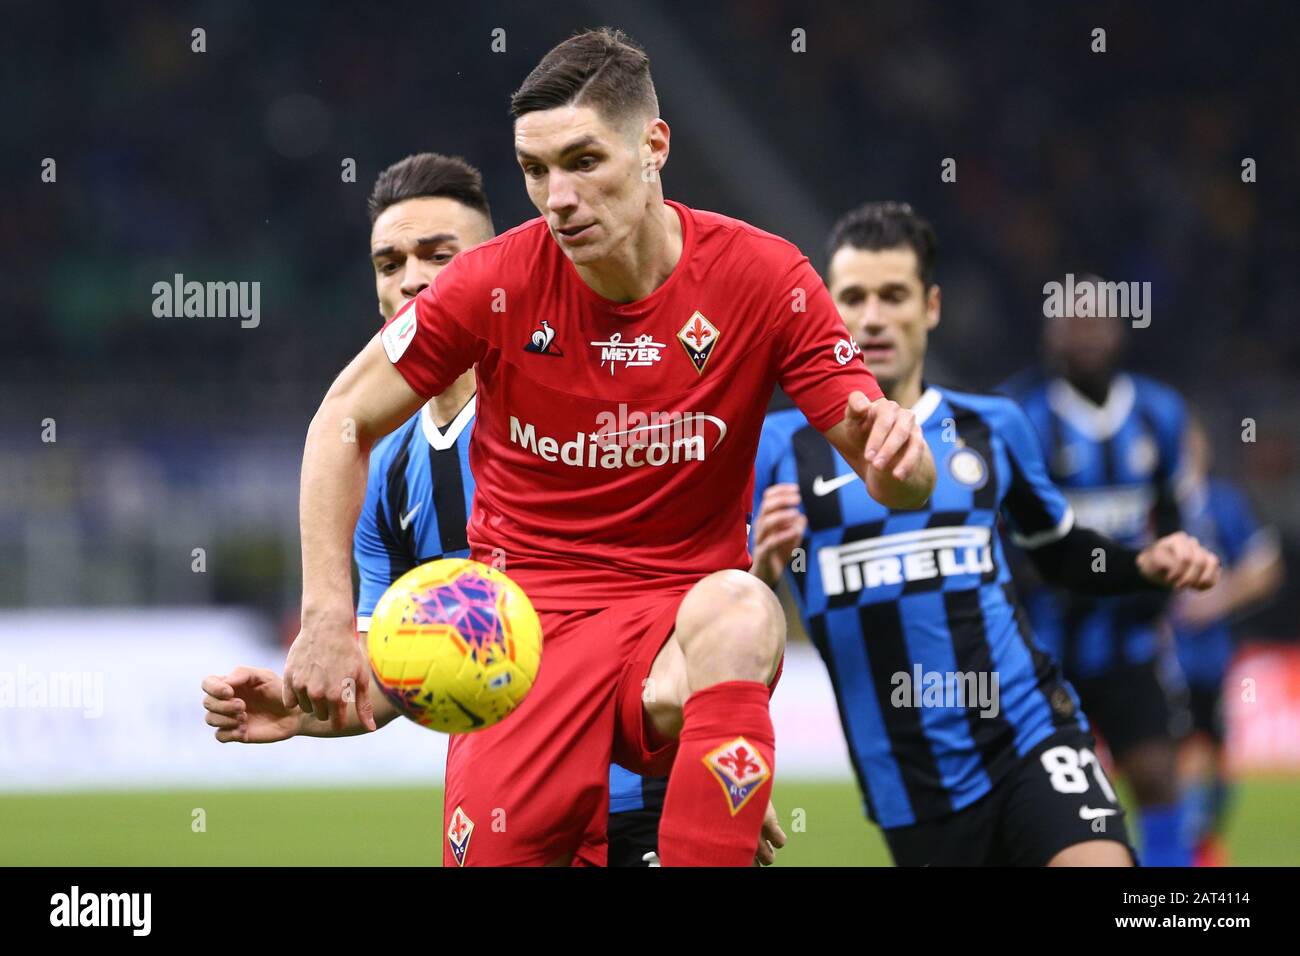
(175,434)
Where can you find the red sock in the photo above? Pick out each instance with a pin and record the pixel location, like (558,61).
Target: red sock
(722,778)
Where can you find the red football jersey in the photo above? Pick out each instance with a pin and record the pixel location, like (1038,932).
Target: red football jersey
(614,443)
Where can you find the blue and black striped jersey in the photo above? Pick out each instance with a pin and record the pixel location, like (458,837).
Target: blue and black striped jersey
(1118,464)
(418,497)
(940,686)
(419,493)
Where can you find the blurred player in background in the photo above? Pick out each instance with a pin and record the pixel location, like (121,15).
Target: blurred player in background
(909,610)
(625,348)
(1114,444)
(424,210)
(1217,512)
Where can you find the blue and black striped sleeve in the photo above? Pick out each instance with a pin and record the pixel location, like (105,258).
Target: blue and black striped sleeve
(1042,521)
(1034,508)
(375,567)
(1168,418)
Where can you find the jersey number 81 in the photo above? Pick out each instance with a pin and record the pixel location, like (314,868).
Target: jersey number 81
(1066,769)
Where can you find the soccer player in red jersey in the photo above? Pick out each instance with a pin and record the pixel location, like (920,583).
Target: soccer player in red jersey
(626,348)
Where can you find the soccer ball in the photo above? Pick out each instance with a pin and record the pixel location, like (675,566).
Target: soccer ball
(455,645)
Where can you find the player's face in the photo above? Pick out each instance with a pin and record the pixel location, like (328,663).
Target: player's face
(413,240)
(881,300)
(1086,348)
(584,176)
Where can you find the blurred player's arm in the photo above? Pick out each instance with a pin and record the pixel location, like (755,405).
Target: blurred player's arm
(882,443)
(1254,578)
(1088,562)
(369,399)
(247,706)
(1081,559)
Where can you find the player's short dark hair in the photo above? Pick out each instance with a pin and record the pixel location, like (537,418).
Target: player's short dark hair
(887,225)
(605,69)
(429,174)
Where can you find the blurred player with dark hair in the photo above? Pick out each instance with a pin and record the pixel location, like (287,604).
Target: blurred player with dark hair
(424,210)
(969,746)
(1218,513)
(1114,444)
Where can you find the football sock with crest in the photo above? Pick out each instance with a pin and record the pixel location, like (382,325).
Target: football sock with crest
(721,780)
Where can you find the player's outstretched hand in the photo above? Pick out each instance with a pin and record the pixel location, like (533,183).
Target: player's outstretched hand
(246,706)
(325,671)
(899,465)
(1179,561)
(771,839)
(778,528)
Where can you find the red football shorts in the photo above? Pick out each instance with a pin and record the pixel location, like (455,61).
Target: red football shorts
(534,789)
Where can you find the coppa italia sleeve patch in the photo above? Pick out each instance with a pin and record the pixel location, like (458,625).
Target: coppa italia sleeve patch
(400,332)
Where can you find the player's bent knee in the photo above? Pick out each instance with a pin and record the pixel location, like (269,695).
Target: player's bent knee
(732,598)
(730,627)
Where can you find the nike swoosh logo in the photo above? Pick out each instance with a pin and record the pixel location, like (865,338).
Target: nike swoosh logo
(406,518)
(1088,813)
(821,487)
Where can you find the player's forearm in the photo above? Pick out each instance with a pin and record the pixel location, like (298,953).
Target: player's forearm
(1086,562)
(1255,579)
(367,401)
(333,484)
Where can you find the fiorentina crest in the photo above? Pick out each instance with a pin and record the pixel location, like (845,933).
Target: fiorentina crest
(740,769)
(698,336)
(458,834)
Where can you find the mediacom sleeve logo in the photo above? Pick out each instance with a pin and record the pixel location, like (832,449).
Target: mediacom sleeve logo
(399,333)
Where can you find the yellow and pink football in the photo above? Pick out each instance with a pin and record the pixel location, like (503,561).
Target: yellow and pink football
(455,645)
